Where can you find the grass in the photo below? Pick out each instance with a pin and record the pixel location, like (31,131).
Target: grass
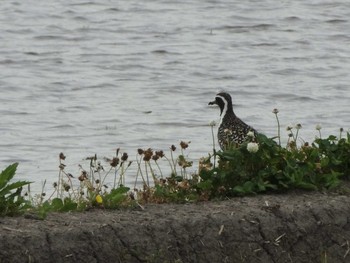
(259,165)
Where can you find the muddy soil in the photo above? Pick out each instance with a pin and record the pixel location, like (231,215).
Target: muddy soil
(298,227)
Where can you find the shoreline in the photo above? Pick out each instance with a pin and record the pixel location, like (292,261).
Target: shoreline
(293,227)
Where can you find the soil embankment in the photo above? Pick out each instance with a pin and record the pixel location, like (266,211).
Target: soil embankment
(299,227)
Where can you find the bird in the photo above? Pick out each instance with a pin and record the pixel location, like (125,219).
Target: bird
(232,131)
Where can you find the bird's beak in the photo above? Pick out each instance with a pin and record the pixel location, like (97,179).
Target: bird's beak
(212,103)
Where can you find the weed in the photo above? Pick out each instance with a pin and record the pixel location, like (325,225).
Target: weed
(258,165)
(11,200)
(261,164)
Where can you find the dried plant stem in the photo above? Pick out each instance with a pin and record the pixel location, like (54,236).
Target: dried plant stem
(160,171)
(174,163)
(104,178)
(278,130)
(59,185)
(70,183)
(213,137)
(152,173)
(146,170)
(122,174)
(171,165)
(139,171)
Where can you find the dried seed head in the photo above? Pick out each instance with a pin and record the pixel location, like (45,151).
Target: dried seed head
(275,111)
(62,156)
(83,176)
(114,162)
(148,154)
(155,157)
(298,126)
(66,187)
(341,129)
(173,148)
(91,158)
(160,154)
(99,167)
(140,151)
(162,181)
(184,145)
(61,166)
(54,185)
(97,181)
(130,162)
(124,157)
(212,123)
(292,144)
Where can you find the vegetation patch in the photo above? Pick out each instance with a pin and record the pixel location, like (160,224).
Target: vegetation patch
(259,165)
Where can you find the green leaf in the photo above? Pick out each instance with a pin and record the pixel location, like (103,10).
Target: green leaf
(57,204)
(7,174)
(69,205)
(6,190)
(205,185)
(120,190)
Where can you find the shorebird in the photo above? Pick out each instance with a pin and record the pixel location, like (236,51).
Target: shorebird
(232,130)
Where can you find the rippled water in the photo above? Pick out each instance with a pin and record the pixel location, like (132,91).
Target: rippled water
(89,77)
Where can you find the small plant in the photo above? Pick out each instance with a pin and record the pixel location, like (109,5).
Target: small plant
(177,187)
(11,200)
(89,189)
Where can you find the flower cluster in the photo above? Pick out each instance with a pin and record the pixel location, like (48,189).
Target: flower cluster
(252,147)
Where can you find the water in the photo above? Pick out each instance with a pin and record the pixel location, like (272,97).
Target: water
(85,77)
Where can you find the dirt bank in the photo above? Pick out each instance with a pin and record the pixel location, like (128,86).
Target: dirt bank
(304,227)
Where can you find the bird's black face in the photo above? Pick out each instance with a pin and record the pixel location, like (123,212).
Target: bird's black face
(223,100)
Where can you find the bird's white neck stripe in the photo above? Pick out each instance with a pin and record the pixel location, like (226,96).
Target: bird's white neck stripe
(224,110)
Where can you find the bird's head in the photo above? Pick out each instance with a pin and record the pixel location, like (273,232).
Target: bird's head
(223,100)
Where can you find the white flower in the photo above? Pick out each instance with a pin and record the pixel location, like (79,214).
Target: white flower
(318,127)
(252,147)
(250,134)
(212,123)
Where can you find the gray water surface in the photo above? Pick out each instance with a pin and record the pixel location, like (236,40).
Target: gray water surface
(88,77)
